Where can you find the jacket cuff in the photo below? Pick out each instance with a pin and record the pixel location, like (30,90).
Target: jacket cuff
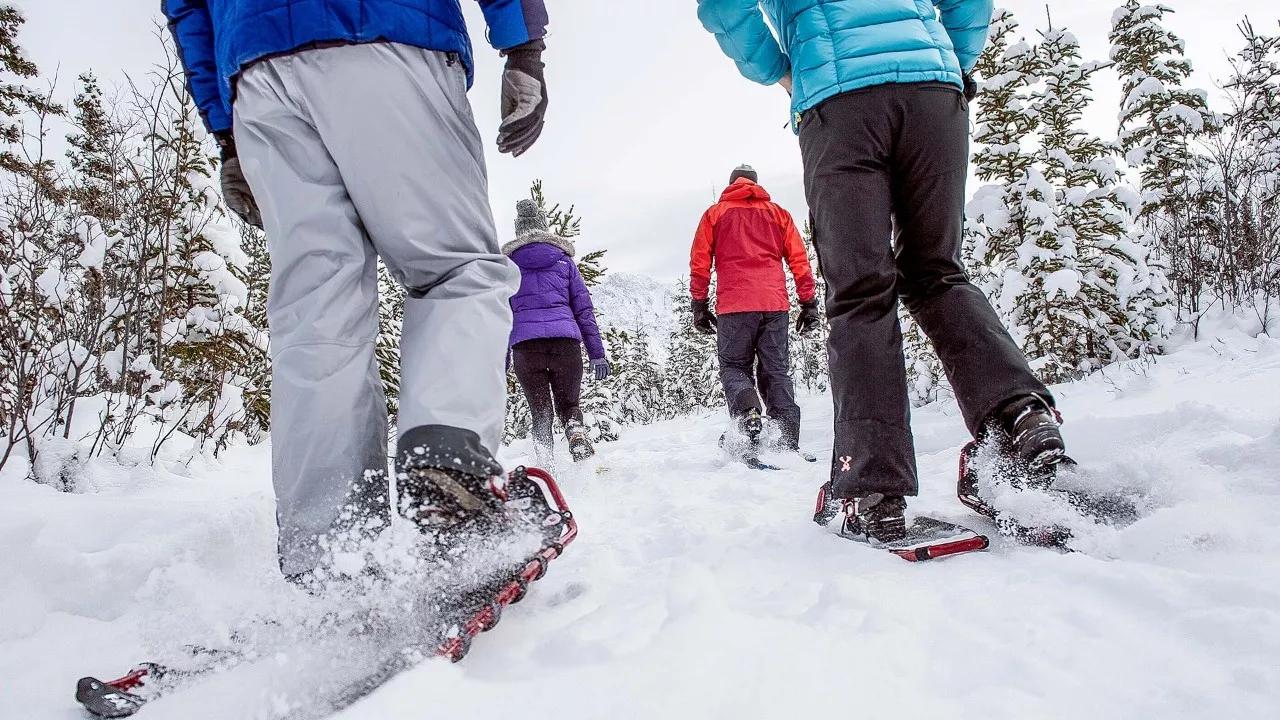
(533,46)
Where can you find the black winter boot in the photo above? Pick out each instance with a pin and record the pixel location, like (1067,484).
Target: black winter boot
(751,425)
(446,477)
(881,518)
(1032,427)
(877,517)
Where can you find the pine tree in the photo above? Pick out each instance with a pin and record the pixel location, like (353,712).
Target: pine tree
(1093,297)
(809,352)
(691,379)
(1159,117)
(566,224)
(16,98)
(636,383)
(1160,122)
(1006,125)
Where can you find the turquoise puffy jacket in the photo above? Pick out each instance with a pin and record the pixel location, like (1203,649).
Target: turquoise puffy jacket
(834,46)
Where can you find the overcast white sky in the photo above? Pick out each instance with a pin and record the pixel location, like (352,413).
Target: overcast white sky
(647,117)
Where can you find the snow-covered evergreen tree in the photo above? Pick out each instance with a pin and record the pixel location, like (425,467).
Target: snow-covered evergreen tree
(1159,123)
(1092,297)
(1051,241)
(636,383)
(809,364)
(1004,133)
(692,375)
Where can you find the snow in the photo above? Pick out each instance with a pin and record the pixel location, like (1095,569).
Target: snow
(635,302)
(700,589)
(1066,281)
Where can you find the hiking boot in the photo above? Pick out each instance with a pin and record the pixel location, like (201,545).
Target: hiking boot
(1032,428)
(751,425)
(445,477)
(579,443)
(878,517)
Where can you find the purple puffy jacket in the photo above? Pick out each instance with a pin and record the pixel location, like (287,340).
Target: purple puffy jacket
(553,301)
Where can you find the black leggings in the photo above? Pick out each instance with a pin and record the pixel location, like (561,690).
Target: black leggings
(550,373)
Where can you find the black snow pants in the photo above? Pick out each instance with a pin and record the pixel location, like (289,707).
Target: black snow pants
(884,173)
(754,353)
(550,373)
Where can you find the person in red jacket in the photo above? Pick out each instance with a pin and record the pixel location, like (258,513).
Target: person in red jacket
(745,237)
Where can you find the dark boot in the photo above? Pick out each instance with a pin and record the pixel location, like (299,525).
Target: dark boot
(579,444)
(881,518)
(877,517)
(751,425)
(1032,428)
(446,477)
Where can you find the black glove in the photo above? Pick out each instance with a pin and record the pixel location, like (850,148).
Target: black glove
(704,321)
(807,322)
(235,189)
(970,87)
(524,98)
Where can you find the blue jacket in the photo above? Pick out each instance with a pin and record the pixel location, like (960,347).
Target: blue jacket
(553,301)
(834,46)
(216,38)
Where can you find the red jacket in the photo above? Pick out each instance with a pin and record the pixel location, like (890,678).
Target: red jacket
(746,237)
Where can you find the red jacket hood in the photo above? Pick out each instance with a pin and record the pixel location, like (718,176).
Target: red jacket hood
(744,189)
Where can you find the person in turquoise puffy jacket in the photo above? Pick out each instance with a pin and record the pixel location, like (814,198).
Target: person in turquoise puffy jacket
(880,93)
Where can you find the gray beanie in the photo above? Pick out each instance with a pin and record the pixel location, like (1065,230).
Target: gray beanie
(743,171)
(529,218)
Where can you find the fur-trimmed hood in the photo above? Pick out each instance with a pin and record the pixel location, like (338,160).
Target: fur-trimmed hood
(539,236)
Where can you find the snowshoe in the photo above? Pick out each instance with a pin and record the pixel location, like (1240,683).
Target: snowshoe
(1020,474)
(529,495)
(881,524)
(744,445)
(579,444)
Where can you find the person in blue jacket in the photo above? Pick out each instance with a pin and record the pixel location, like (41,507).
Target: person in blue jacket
(346,134)
(879,97)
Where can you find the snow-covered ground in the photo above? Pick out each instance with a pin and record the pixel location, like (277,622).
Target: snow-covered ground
(700,589)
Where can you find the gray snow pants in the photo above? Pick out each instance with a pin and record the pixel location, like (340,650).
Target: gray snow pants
(754,353)
(353,153)
(884,171)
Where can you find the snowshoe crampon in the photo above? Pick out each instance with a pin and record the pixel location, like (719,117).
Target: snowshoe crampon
(529,493)
(926,538)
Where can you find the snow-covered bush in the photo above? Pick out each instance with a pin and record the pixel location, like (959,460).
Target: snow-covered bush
(121,279)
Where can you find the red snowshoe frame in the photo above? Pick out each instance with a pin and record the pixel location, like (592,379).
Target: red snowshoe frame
(514,591)
(455,648)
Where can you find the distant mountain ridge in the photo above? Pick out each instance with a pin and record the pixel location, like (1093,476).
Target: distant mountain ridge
(635,302)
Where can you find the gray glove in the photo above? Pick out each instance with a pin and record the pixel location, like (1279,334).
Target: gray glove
(601,368)
(235,189)
(524,98)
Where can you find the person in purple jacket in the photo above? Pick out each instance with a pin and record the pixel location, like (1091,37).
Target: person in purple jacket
(554,318)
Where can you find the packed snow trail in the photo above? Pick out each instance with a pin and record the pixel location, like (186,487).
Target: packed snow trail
(700,589)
